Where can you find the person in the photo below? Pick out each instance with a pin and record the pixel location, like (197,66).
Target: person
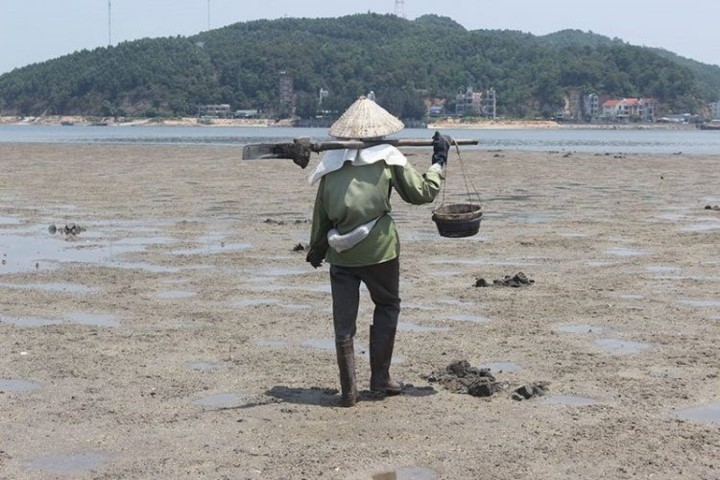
(353,231)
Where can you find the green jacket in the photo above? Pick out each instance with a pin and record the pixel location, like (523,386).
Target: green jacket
(354,195)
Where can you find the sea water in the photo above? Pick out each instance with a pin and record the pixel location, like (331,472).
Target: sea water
(588,140)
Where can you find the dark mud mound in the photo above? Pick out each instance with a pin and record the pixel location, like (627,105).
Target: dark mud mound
(461,377)
(301,247)
(531,390)
(516,281)
(71,229)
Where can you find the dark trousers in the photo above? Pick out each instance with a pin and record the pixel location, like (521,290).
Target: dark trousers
(383,283)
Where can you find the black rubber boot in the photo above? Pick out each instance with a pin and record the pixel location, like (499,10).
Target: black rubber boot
(346,363)
(381,350)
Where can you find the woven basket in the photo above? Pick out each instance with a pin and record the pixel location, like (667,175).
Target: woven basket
(458,220)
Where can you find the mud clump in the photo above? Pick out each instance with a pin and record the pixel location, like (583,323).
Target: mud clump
(516,281)
(301,247)
(71,229)
(526,392)
(461,377)
(273,221)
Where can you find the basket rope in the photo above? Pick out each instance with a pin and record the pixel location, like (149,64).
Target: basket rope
(466,179)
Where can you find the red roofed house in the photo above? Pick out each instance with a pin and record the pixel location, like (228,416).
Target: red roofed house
(642,109)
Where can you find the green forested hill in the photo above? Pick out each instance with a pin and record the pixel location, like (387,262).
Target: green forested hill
(403,62)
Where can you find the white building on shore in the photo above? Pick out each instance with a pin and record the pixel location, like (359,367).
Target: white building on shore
(714,110)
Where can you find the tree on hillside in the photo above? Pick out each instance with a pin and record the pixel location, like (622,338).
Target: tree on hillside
(403,61)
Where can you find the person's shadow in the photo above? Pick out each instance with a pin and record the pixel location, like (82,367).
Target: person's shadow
(330,397)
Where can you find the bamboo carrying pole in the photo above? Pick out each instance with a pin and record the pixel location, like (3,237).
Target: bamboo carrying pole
(300,149)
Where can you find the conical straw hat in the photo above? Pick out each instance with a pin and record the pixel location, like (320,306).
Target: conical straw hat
(365,119)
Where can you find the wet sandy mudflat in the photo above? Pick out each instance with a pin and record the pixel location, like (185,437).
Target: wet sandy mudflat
(181,336)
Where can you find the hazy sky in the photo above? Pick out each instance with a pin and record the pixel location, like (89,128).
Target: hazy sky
(36,30)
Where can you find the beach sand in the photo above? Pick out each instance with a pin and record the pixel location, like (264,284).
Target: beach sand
(179,335)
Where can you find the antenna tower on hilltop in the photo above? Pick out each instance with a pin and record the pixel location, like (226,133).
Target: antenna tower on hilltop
(400,8)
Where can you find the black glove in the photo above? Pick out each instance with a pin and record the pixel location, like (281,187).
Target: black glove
(441,147)
(315,258)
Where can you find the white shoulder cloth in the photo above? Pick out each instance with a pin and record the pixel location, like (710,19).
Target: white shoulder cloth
(334,159)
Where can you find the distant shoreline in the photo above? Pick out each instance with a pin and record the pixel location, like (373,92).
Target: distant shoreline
(262,123)
(145,122)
